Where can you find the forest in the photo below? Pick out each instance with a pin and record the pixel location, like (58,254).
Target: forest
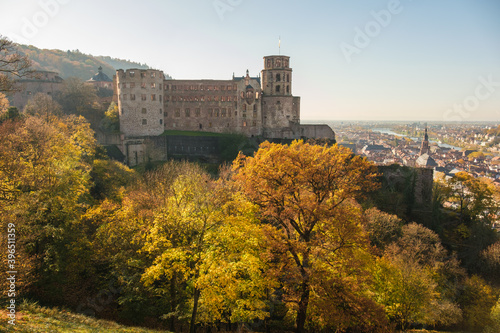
(296,237)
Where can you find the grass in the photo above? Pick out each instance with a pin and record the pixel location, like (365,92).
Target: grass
(33,318)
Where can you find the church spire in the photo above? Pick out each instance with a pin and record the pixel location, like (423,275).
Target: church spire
(425,144)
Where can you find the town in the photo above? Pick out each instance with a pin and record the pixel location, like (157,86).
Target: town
(472,148)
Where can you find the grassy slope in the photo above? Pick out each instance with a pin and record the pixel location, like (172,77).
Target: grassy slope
(33,318)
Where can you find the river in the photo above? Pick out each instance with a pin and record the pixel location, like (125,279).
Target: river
(388,131)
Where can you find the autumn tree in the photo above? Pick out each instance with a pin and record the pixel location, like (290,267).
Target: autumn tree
(77,97)
(13,66)
(44,183)
(417,279)
(44,106)
(300,188)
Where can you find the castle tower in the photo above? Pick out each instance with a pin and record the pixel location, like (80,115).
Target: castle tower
(277,76)
(140,101)
(280,110)
(425,144)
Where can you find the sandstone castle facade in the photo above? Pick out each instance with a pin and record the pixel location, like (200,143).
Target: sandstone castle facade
(255,106)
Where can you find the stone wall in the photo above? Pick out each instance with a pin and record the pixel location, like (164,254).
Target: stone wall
(39,82)
(140,102)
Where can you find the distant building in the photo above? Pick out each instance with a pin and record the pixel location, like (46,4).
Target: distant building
(425,161)
(262,106)
(101,80)
(45,82)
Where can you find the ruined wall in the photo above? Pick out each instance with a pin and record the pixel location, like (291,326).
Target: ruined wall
(39,82)
(317,132)
(200,105)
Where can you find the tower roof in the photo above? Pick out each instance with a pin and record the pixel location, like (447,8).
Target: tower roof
(426,161)
(100,76)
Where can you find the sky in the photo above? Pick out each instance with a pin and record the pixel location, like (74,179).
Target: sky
(408,60)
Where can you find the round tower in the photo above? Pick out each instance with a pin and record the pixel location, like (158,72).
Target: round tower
(277,76)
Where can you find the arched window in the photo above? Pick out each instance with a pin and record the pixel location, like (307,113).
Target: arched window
(278,77)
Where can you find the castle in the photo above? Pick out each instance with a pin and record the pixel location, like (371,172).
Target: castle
(260,106)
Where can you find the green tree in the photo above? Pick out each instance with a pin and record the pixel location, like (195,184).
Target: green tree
(44,106)
(111,120)
(299,188)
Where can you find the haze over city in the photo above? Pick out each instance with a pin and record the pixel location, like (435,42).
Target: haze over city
(364,60)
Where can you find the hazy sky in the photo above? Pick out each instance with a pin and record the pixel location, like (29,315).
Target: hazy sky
(360,60)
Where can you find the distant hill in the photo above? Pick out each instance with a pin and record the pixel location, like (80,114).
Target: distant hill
(75,63)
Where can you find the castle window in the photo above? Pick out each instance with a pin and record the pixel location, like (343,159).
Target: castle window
(244,124)
(277,89)
(177,113)
(216,98)
(278,77)
(216,111)
(287,89)
(132,97)
(254,123)
(278,102)
(268,63)
(153,74)
(143,74)
(229,87)
(132,84)
(288,78)
(202,98)
(144,121)
(131,73)
(234,87)
(187,112)
(235,113)
(197,112)
(160,86)
(165,114)
(153,97)
(255,114)
(174,87)
(209,98)
(143,97)
(123,111)
(161,111)
(223,113)
(256,95)
(166,87)
(161,121)
(153,85)
(143,85)
(244,115)
(202,87)
(144,110)
(210,125)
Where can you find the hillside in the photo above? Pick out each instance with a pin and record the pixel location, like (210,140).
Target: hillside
(33,318)
(75,63)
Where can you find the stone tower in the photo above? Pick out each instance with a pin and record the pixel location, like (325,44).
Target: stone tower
(140,101)
(281,110)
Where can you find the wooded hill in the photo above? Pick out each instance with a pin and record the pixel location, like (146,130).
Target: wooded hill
(75,63)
